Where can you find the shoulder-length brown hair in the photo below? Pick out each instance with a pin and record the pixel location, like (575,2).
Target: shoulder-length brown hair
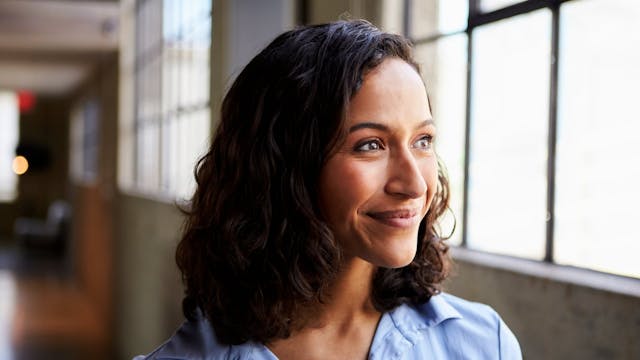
(255,254)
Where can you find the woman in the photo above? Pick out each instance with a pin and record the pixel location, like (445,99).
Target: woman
(312,233)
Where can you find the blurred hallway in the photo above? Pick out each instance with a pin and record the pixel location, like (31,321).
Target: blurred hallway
(43,313)
(58,62)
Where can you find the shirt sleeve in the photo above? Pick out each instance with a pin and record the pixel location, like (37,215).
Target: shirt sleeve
(509,347)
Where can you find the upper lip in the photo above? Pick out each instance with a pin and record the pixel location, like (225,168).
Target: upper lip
(404,213)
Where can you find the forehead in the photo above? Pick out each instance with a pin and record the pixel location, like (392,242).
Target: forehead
(391,91)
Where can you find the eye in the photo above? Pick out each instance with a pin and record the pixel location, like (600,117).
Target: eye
(424,143)
(369,145)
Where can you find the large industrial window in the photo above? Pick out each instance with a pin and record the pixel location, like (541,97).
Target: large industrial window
(169,65)
(535,105)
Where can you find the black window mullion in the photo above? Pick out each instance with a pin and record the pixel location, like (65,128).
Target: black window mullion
(136,92)
(477,18)
(407,23)
(302,14)
(473,11)
(553,124)
(467,127)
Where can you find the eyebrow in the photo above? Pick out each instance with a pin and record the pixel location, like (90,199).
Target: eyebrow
(382,127)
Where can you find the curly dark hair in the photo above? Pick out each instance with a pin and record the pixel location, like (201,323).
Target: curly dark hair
(256,256)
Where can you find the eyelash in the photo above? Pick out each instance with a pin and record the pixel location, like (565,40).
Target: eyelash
(360,147)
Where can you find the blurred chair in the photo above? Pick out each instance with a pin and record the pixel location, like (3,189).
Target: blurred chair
(50,235)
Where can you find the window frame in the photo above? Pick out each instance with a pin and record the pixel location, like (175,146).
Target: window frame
(477,18)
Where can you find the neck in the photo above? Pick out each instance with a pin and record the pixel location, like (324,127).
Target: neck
(350,296)
(343,326)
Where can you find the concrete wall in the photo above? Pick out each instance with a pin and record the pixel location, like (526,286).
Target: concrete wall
(148,294)
(555,318)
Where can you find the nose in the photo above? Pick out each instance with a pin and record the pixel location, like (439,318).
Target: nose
(405,177)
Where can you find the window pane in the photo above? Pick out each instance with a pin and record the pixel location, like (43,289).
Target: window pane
(431,17)
(444,68)
(148,96)
(597,170)
(126,98)
(193,139)
(9,128)
(91,139)
(509,121)
(171,150)
(148,159)
(171,15)
(186,95)
(490,5)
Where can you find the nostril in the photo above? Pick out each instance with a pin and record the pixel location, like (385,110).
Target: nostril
(405,175)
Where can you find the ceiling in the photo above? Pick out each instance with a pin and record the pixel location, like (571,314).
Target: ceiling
(50,46)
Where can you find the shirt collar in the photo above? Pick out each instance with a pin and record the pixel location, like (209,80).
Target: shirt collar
(399,328)
(399,323)
(435,311)
(428,314)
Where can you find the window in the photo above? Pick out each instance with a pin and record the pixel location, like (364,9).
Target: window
(168,67)
(85,140)
(540,153)
(507,187)
(9,127)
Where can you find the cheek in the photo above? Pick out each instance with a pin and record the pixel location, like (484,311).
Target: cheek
(430,175)
(345,186)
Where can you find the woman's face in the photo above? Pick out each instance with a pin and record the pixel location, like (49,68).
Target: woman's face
(378,185)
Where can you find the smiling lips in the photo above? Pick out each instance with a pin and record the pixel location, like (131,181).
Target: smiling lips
(397,218)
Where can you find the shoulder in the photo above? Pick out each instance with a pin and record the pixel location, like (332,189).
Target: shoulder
(192,340)
(196,340)
(458,328)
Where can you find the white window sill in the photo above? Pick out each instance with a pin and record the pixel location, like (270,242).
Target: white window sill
(559,273)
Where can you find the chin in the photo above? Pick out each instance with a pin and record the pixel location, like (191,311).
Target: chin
(398,258)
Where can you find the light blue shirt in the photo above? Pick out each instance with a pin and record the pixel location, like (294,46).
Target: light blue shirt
(446,327)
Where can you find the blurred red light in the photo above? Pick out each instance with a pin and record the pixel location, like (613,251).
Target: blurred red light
(26,101)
